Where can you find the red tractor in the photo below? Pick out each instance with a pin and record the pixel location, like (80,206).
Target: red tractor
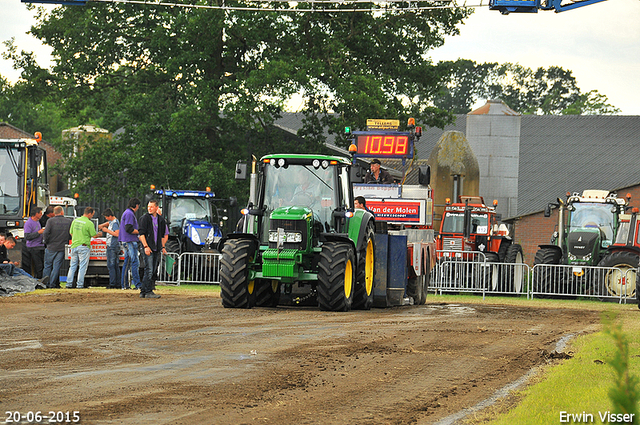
(469,227)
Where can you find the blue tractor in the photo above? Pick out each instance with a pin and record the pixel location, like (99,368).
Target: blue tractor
(192,218)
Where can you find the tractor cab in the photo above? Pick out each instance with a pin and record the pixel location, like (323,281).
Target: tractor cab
(192,219)
(301,197)
(592,225)
(467,225)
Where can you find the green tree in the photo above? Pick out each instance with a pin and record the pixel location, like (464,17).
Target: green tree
(29,105)
(190,91)
(551,91)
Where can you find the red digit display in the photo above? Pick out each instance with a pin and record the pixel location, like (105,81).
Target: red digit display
(383,145)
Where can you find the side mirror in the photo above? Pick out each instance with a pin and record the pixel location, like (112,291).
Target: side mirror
(424,175)
(233,201)
(241,170)
(547,211)
(356,174)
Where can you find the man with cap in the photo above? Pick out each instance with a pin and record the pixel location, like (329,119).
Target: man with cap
(376,175)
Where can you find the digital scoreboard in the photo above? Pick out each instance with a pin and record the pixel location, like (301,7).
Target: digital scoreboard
(390,145)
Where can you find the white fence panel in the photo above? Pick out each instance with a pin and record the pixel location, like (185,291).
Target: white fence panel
(469,271)
(191,267)
(603,283)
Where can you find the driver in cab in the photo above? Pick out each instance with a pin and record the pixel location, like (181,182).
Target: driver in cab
(377,175)
(305,193)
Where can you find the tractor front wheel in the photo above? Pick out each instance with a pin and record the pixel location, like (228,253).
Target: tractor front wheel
(621,281)
(516,274)
(236,290)
(492,273)
(336,276)
(547,280)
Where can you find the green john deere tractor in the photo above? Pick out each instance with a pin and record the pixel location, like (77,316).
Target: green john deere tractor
(301,239)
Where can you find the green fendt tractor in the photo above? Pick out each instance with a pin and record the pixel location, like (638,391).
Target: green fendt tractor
(300,236)
(582,240)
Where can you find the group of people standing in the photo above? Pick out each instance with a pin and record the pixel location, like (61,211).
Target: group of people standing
(46,234)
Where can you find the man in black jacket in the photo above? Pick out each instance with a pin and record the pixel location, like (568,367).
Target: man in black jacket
(56,236)
(153,233)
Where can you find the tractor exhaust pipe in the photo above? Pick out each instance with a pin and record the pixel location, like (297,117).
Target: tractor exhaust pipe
(561,208)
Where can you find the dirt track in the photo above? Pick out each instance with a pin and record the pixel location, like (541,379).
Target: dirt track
(117,358)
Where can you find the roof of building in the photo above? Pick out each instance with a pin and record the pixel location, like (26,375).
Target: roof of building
(7,131)
(572,153)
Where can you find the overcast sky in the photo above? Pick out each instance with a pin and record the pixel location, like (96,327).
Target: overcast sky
(600,43)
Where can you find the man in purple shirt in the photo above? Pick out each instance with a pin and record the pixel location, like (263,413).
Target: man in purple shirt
(128,237)
(33,249)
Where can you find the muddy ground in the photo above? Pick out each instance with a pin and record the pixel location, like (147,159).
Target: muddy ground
(183,359)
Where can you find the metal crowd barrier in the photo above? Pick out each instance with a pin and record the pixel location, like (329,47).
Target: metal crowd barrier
(469,271)
(603,283)
(190,267)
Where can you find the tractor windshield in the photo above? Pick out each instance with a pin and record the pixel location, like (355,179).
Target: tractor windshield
(300,186)
(592,215)
(190,209)
(10,163)
(453,222)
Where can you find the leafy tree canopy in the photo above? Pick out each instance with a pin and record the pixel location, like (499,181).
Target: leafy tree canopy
(190,91)
(551,91)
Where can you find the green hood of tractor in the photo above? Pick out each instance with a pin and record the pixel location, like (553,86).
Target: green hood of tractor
(291,213)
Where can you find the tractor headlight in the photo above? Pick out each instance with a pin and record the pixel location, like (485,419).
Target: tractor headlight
(289,237)
(195,237)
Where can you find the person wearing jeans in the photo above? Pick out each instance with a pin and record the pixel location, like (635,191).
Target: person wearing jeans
(112,229)
(153,234)
(82,230)
(56,236)
(131,264)
(80,263)
(129,240)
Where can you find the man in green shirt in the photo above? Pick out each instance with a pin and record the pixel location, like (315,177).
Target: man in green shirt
(82,230)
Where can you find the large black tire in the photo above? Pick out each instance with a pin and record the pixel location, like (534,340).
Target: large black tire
(336,276)
(173,245)
(547,281)
(363,292)
(492,272)
(515,275)
(418,286)
(236,290)
(620,283)
(267,293)
(426,278)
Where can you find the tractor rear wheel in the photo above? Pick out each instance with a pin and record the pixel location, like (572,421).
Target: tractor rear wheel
(620,282)
(515,274)
(267,293)
(336,276)
(363,292)
(236,290)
